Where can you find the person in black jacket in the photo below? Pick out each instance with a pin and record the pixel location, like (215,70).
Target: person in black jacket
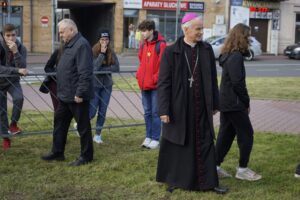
(74,91)
(13,62)
(49,84)
(234,104)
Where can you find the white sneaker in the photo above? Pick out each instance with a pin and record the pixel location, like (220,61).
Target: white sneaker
(75,127)
(154,144)
(248,175)
(223,174)
(97,139)
(146,142)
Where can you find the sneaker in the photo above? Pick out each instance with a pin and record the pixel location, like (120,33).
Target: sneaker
(154,144)
(222,173)
(6,143)
(248,175)
(97,139)
(75,127)
(14,129)
(297,173)
(146,142)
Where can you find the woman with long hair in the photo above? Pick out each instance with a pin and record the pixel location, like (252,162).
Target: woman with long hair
(49,84)
(235,104)
(105,60)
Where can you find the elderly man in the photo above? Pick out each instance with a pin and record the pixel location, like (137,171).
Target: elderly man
(74,91)
(187,100)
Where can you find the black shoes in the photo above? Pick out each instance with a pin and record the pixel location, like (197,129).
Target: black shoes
(220,190)
(53,156)
(79,161)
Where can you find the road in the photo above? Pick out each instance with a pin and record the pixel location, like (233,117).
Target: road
(262,66)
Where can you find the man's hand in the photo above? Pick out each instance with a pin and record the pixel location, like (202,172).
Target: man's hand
(23,71)
(215,112)
(165,119)
(78,99)
(12,46)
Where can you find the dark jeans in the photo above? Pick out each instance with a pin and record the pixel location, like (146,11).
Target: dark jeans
(16,93)
(62,119)
(152,120)
(235,124)
(100,103)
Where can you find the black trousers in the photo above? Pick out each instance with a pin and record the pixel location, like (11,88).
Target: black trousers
(236,123)
(62,119)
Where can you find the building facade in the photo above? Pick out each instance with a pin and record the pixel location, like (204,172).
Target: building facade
(37,20)
(290,29)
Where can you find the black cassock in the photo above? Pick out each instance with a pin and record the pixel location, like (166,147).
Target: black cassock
(190,166)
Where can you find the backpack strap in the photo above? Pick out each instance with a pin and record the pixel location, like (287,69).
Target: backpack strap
(157,46)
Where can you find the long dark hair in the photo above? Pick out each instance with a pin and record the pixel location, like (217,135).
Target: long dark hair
(237,39)
(97,50)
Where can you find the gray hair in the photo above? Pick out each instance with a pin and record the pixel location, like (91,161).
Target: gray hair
(189,23)
(68,23)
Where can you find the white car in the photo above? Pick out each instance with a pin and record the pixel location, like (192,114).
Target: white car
(218,41)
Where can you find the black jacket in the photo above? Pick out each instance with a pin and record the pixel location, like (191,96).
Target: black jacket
(10,64)
(105,80)
(173,88)
(50,67)
(75,70)
(233,92)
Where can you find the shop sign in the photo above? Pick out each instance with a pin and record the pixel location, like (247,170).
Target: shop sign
(172,5)
(260,12)
(236,2)
(136,4)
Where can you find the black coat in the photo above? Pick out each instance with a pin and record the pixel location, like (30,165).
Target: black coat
(75,70)
(173,87)
(50,67)
(233,91)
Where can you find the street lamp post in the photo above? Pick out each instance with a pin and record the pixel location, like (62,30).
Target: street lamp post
(177,15)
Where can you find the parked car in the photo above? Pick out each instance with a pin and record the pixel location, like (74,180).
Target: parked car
(292,51)
(218,41)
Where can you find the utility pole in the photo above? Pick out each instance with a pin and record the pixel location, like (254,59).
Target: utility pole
(177,15)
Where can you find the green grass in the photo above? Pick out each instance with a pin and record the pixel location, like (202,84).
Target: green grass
(279,88)
(122,170)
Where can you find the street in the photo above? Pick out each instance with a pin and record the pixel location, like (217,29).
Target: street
(265,65)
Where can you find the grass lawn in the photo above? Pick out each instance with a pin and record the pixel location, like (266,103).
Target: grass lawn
(122,170)
(283,88)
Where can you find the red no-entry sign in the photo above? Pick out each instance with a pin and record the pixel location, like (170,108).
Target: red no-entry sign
(44,20)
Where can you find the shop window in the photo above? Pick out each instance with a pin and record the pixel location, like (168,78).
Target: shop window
(165,22)
(297,28)
(14,17)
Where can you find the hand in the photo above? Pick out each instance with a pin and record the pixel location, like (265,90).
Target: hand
(103,49)
(12,46)
(23,71)
(78,99)
(215,112)
(165,119)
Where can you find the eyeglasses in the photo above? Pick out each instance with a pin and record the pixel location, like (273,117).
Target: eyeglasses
(10,35)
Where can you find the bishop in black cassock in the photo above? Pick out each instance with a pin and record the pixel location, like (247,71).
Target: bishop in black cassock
(187,100)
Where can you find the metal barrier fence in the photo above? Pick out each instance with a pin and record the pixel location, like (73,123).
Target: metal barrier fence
(124,109)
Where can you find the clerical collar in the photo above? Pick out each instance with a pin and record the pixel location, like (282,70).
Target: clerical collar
(191,44)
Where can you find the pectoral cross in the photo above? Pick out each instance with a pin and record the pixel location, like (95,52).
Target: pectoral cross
(191,81)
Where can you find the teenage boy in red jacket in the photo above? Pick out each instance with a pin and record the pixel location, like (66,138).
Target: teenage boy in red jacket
(150,53)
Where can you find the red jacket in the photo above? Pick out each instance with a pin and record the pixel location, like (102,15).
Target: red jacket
(147,73)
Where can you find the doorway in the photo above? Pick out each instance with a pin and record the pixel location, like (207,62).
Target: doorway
(259,30)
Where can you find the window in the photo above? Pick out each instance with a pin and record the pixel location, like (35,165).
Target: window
(297,28)
(165,22)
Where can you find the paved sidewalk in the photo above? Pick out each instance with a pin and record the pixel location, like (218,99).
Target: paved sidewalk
(266,115)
